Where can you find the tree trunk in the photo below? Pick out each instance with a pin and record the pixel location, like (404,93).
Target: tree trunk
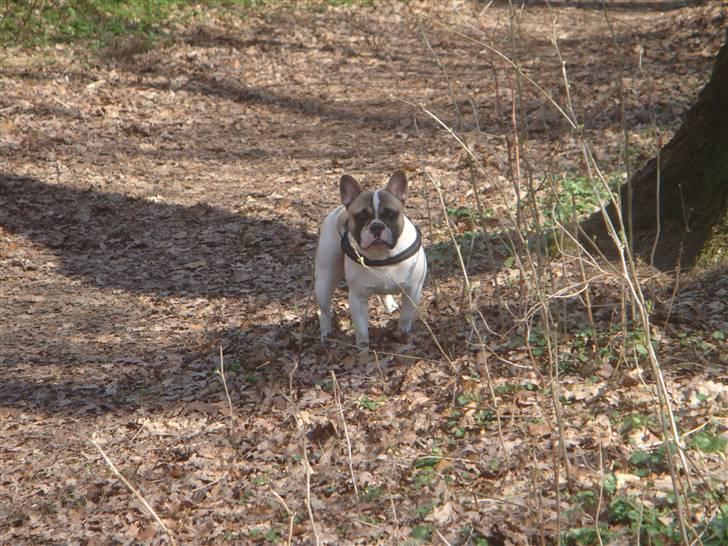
(693,187)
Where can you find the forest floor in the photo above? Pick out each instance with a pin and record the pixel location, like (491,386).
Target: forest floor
(159,204)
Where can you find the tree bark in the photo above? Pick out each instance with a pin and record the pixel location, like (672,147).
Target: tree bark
(692,190)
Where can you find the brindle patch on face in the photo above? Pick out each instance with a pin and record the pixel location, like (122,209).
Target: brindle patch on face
(390,212)
(387,220)
(361,212)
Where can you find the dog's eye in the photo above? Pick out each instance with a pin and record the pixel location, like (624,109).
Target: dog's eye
(389,214)
(362,216)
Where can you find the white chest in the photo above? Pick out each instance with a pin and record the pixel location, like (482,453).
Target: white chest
(388,279)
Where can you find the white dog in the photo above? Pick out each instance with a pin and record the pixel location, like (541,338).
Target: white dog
(369,240)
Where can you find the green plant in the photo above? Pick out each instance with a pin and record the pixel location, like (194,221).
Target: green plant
(372,492)
(586,499)
(635,421)
(423,509)
(506,388)
(425,477)
(351,2)
(468,217)
(697,340)
(653,526)
(427,461)
(229,536)
(586,536)
(102,22)
(636,341)
(483,417)
(443,253)
(466,398)
(715,533)
(255,534)
(583,345)
(39,23)
(273,535)
(575,197)
(649,461)
(610,484)
(326,385)
(458,213)
(421,532)
(245,498)
(537,341)
(366,518)
(252,379)
(368,403)
(708,441)
(453,423)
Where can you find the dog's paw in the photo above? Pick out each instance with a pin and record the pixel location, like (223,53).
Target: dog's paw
(362,344)
(401,336)
(325,325)
(390,305)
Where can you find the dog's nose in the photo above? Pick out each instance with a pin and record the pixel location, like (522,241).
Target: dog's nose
(376,229)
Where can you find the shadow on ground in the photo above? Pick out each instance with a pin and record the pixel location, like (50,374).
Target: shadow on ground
(113,241)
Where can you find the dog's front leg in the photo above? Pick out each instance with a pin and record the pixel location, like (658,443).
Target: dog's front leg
(408,309)
(359,308)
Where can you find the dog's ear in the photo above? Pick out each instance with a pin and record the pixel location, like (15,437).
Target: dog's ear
(349,189)
(397,185)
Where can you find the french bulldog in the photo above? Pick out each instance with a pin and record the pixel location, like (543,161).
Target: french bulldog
(369,241)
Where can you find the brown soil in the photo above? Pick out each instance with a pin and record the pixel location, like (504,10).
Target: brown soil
(156,206)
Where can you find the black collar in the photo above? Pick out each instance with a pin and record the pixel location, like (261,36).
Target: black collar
(369,262)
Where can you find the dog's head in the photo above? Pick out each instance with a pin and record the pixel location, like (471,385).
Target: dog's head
(375,217)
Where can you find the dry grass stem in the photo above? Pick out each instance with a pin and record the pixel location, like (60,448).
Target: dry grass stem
(134,491)
(444,74)
(221,373)
(307,471)
(466,280)
(337,399)
(291,515)
(442,538)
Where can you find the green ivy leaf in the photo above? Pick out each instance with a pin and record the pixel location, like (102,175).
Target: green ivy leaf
(708,442)
(610,484)
(421,532)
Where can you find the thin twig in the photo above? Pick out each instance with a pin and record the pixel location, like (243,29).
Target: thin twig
(447,78)
(600,499)
(134,491)
(291,515)
(444,540)
(466,279)
(337,398)
(221,373)
(307,469)
(494,401)
(394,514)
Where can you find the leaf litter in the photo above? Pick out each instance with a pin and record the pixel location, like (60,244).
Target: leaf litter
(157,206)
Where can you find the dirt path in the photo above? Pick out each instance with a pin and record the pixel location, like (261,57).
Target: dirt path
(157,205)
